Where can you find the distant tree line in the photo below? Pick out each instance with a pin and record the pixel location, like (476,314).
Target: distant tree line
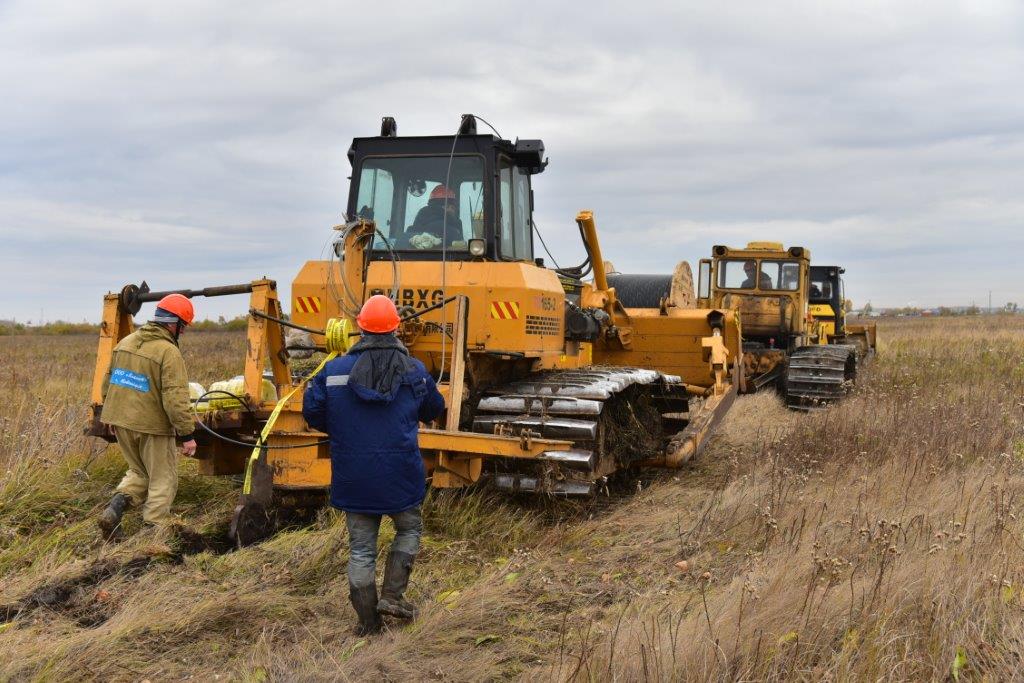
(1010,308)
(60,327)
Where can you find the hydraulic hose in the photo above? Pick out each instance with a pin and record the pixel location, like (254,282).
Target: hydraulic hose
(245,444)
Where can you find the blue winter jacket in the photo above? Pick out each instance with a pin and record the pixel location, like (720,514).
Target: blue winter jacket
(370,403)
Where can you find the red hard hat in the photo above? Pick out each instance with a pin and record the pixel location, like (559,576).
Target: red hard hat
(179,305)
(441,192)
(378,315)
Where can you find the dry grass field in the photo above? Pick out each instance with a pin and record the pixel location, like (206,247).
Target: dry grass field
(878,540)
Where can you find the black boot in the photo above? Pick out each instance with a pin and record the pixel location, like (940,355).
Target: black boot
(396,580)
(364,600)
(110,519)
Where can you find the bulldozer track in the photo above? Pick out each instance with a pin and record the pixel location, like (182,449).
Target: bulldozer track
(819,375)
(616,417)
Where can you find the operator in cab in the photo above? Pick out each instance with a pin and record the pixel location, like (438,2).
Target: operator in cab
(370,402)
(146,401)
(750,269)
(439,217)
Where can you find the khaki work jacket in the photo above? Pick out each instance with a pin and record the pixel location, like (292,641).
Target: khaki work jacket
(146,388)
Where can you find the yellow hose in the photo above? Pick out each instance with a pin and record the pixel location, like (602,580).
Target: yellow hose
(337,340)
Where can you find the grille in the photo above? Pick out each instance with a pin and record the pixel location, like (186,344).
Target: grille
(538,324)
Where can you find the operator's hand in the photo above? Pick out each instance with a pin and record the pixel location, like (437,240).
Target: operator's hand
(189,447)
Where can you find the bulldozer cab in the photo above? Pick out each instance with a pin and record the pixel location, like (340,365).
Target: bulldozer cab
(457,198)
(766,283)
(826,298)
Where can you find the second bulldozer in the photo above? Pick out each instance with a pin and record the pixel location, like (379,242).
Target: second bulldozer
(793,319)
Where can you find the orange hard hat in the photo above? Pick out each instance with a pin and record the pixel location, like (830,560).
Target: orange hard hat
(441,192)
(378,315)
(177,305)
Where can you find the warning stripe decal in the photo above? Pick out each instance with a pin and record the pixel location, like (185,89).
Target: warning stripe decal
(307,304)
(505,310)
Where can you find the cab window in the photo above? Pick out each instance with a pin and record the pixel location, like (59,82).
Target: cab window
(521,215)
(780,275)
(514,211)
(821,290)
(704,280)
(423,203)
(505,208)
(376,195)
(737,274)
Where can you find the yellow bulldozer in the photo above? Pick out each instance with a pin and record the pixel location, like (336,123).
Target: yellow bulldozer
(795,335)
(552,385)
(828,306)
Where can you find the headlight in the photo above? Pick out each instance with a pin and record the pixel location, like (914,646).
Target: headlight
(477,247)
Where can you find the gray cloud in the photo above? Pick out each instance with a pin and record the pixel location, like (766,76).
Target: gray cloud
(196,144)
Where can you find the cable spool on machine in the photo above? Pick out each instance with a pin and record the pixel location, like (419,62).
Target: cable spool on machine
(641,291)
(649,291)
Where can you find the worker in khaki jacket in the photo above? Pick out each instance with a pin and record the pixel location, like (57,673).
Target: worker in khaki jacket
(146,401)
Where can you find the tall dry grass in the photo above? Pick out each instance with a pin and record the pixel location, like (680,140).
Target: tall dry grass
(878,539)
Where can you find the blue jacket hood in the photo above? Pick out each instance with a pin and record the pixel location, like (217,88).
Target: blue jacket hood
(381,364)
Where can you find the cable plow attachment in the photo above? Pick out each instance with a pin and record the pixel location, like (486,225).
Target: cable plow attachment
(251,519)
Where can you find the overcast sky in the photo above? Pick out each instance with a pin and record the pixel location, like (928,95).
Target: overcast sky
(196,143)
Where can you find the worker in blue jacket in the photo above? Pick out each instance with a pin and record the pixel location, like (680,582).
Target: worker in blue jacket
(370,402)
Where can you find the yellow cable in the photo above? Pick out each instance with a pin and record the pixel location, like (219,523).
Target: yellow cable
(337,341)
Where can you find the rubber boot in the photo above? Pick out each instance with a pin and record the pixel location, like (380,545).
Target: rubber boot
(110,519)
(396,580)
(364,601)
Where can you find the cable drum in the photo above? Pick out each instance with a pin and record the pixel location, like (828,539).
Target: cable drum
(649,291)
(641,291)
(683,295)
